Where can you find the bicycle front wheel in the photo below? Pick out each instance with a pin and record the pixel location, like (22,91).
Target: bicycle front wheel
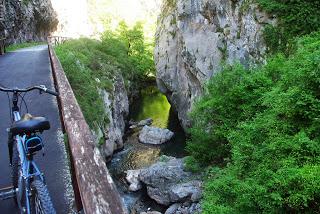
(41,202)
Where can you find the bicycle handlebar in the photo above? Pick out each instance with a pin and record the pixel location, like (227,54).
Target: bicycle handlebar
(41,88)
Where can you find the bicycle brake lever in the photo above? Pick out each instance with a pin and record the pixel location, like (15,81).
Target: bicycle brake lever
(43,87)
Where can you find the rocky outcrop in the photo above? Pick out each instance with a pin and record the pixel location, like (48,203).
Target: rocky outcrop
(28,20)
(154,135)
(167,182)
(117,108)
(142,123)
(185,208)
(196,37)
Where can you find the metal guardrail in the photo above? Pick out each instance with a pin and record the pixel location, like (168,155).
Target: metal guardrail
(57,40)
(92,181)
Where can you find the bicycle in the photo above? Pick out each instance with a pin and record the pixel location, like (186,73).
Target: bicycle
(29,186)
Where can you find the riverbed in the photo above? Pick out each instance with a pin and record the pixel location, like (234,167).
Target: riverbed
(135,155)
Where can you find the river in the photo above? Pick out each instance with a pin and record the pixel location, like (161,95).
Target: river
(135,155)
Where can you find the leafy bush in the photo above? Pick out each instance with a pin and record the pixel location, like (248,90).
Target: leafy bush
(232,96)
(263,126)
(131,51)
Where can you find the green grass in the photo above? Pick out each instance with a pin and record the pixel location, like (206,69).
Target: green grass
(83,62)
(258,130)
(14,47)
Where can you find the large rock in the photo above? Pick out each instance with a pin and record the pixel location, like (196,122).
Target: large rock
(179,208)
(195,38)
(167,182)
(142,123)
(154,135)
(31,20)
(132,178)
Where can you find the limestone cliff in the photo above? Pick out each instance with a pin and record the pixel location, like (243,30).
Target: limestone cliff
(195,38)
(117,108)
(28,20)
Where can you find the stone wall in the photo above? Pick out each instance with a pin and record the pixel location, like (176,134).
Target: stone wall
(28,20)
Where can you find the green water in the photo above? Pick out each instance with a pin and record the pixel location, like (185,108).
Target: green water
(152,104)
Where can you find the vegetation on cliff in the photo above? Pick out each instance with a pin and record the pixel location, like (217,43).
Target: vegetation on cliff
(258,129)
(295,18)
(261,126)
(91,65)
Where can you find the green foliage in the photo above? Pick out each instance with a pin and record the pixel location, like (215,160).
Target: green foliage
(14,47)
(296,18)
(91,65)
(233,95)
(263,126)
(83,62)
(128,46)
(192,164)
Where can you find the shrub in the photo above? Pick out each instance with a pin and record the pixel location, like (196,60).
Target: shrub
(263,126)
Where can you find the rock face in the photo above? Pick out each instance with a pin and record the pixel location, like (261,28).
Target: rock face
(28,20)
(195,37)
(154,135)
(167,182)
(117,108)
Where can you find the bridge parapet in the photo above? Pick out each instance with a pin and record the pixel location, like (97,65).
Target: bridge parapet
(97,191)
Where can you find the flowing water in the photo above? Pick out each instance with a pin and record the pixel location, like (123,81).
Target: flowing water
(152,104)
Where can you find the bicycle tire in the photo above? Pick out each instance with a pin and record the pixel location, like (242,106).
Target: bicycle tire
(15,166)
(40,199)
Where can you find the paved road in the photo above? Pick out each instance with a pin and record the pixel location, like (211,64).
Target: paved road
(23,68)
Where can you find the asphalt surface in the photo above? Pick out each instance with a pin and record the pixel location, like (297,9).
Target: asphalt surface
(23,68)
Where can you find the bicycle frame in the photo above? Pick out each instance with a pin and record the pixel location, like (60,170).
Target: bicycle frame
(28,168)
